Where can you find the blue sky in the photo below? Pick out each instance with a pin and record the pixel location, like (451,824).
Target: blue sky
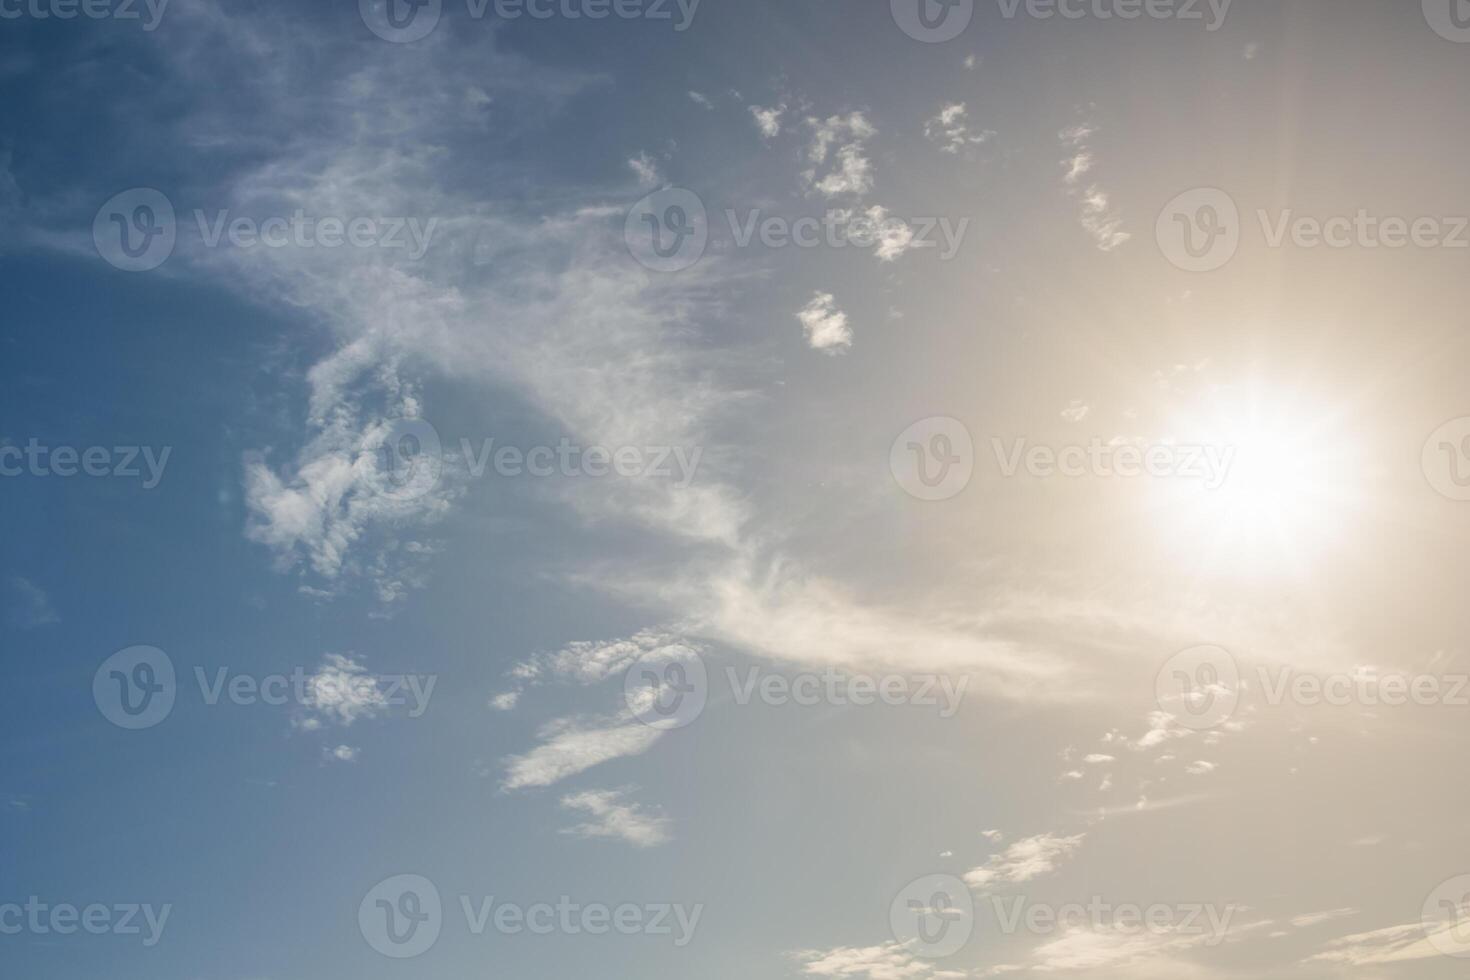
(392,411)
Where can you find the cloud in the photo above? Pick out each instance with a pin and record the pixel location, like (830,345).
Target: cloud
(950,129)
(1076,411)
(889,961)
(341,692)
(613,818)
(768,120)
(1395,944)
(1098,217)
(1024,860)
(700,99)
(342,753)
(848,170)
(571,746)
(825,325)
(646,169)
(1317,918)
(27,606)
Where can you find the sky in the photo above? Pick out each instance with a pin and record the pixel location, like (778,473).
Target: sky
(813,490)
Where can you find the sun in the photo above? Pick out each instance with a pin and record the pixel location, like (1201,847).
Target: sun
(1288,490)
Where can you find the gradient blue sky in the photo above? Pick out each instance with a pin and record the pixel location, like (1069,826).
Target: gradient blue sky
(270,545)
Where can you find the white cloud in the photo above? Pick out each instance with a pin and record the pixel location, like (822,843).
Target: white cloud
(1024,860)
(342,753)
(700,99)
(614,818)
(768,120)
(890,961)
(950,129)
(825,325)
(1076,411)
(27,605)
(1396,944)
(646,169)
(1098,217)
(571,746)
(1317,918)
(341,691)
(850,173)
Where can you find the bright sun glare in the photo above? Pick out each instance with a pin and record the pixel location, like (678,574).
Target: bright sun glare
(1286,496)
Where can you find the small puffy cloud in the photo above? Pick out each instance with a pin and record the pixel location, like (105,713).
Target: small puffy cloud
(1200,768)
(612,817)
(27,606)
(506,700)
(700,99)
(839,146)
(890,961)
(1076,411)
(1024,860)
(825,325)
(341,691)
(646,169)
(950,129)
(342,753)
(994,836)
(768,120)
